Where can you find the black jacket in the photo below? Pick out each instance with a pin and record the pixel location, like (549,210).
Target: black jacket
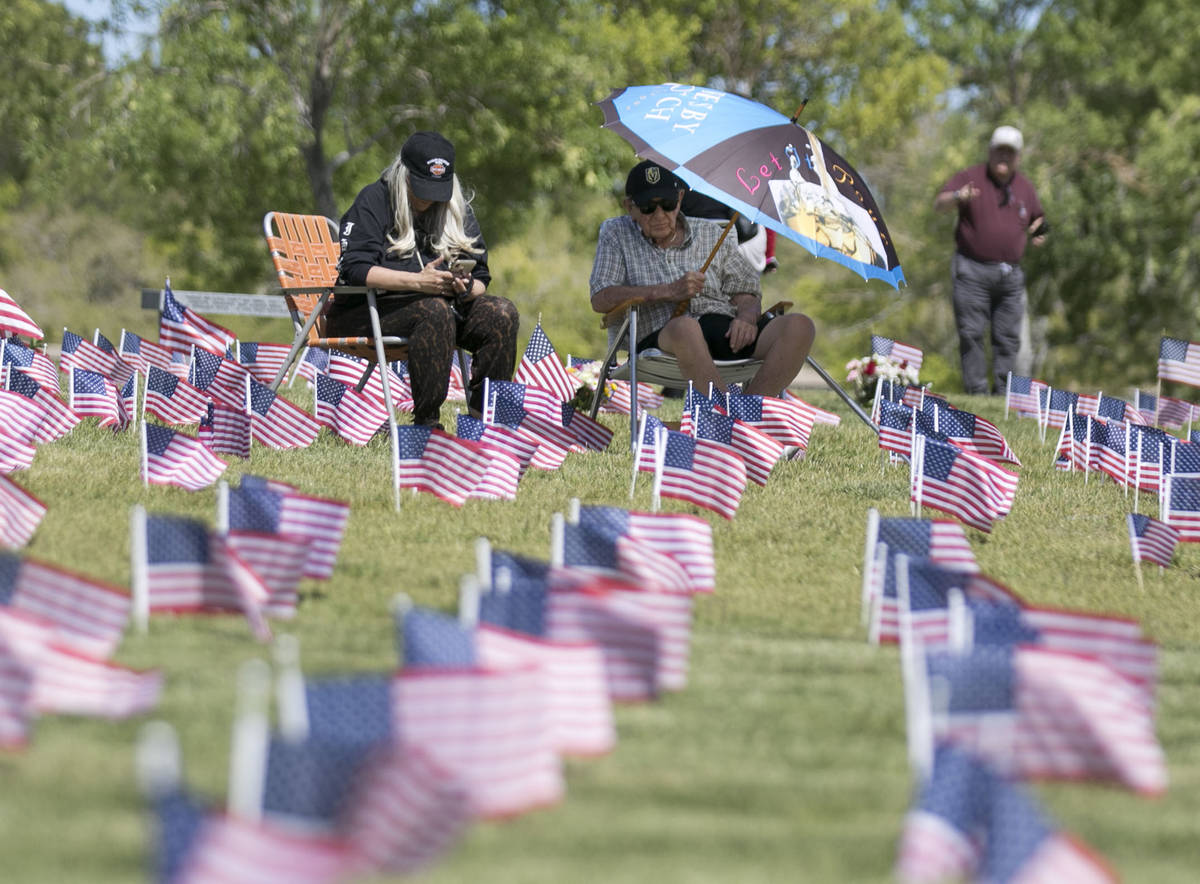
(364,231)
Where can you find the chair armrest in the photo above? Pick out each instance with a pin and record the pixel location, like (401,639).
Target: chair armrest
(779,307)
(320,289)
(616,314)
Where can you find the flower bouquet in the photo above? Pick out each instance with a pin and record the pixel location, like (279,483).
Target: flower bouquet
(866,373)
(588,376)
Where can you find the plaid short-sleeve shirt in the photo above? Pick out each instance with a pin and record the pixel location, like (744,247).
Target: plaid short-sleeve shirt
(625,257)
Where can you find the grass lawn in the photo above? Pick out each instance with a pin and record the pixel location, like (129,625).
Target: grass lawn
(783,760)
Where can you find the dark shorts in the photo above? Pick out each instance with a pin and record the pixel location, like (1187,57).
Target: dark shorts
(714,326)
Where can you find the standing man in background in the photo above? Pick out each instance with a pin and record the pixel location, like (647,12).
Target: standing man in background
(998,212)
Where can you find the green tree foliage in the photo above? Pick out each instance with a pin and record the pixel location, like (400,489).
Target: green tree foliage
(47,68)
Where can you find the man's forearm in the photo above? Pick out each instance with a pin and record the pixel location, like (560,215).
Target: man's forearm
(614,295)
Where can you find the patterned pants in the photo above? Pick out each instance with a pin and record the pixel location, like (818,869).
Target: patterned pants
(485,326)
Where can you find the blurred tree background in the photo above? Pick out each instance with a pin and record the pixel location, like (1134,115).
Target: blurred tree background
(118,171)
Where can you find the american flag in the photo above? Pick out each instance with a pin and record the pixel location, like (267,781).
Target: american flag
(171,458)
(397,810)
(620,397)
(20,514)
(930,618)
(577,710)
(1151,540)
(225,431)
(193,846)
(81,353)
(535,401)
(916,397)
(507,440)
(189,568)
(354,416)
(488,728)
(540,367)
(1163,411)
(93,395)
(173,400)
(1179,506)
(16,453)
(1111,442)
(686,539)
(1087,404)
(127,401)
(257,506)
(820,415)
(499,481)
(346,368)
(695,401)
(553,442)
(589,434)
(312,363)
(399,383)
(896,427)
(263,361)
(30,361)
(788,421)
(278,560)
(15,320)
(1148,448)
(88,615)
(57,418)
(645,636)
(16,691)
(1056,405)
(971,822)
(897,351)
(970,431)
(68,681)
(276,422)
(442,465)
(708,474)
(618,555)
(1080,440)
(1181,456)
(180,328)
(759,451)
(219,378)
(1115,641)
(960,483)
(142,354)
(1038,712)
(990,617)
(939,540)
(1021,394)
(1179,361)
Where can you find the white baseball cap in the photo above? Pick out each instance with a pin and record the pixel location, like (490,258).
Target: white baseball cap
(1007,136)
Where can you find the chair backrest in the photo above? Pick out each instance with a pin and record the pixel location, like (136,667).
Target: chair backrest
(305,252)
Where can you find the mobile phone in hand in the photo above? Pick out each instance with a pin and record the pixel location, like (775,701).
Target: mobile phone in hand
(462,266)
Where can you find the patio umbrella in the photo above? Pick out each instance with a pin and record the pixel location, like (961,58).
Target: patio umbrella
(761,164)
(764,166)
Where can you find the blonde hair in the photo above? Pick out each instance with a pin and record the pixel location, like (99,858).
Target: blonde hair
(450,236)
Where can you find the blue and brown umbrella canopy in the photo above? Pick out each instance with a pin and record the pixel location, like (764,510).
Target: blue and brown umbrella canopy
(763,165)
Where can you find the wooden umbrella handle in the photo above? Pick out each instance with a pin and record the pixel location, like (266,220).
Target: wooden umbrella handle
(682,307)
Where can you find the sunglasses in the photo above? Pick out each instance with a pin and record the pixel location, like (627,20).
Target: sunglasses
(667,205)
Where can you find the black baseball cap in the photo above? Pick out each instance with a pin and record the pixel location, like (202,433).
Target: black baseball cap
(429,157)
(648,180)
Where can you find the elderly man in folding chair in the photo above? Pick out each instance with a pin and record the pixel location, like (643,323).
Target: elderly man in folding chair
(652,256)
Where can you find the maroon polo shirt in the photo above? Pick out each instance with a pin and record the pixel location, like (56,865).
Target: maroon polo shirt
(993,226)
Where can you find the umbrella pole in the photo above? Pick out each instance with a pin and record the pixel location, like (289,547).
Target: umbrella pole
(846,397)
(682,306)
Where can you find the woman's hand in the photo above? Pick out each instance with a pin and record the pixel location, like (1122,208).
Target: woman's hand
(432,280)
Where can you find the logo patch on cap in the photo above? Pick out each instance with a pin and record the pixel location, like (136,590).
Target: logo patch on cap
(653,175)
(437,166)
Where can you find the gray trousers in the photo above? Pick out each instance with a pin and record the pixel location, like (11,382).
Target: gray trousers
(983,294)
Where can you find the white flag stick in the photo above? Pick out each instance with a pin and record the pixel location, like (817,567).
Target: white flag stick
(468,602)
(1007,394)
(557,530)
(140,582)
(290,700)
(660,458)
(573,508)
(248,755)
(483,562)
(879,567)
(145,457)
(158,763)
(868,583)
(637,452)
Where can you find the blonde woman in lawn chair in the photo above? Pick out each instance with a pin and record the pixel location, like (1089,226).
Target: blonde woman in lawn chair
(650,259)
(412,235)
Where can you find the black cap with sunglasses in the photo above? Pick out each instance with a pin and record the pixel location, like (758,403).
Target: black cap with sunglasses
(649,184)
